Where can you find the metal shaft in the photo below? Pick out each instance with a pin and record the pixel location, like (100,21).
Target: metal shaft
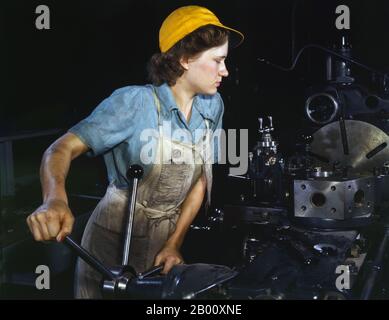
(127,239)
(343,134)
(88,258)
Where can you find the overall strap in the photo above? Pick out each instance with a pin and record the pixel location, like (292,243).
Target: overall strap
(160,127)
(158,104)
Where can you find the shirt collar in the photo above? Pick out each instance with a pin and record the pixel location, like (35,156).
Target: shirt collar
(166,97)
(168,102)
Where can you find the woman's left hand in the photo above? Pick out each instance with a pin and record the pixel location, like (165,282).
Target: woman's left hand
(168,256)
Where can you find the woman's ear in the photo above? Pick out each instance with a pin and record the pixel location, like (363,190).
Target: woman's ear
(184,62)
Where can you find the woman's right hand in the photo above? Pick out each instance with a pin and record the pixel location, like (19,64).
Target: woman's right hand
(52,220)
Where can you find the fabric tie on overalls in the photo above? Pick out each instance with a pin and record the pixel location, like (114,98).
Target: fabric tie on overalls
(157,216)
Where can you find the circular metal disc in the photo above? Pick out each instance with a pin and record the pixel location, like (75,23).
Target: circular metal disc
(368,146)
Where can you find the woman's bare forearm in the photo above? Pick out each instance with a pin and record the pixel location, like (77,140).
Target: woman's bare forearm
(53,172)
(54,219)
(55,166)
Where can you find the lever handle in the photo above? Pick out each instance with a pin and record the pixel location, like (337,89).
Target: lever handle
(88,258)
(134,172)
(149,272)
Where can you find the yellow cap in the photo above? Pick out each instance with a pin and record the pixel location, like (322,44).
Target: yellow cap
(185,20)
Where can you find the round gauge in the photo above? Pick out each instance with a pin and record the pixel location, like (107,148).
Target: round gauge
(321,108)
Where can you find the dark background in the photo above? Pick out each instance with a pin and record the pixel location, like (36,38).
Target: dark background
(54,78)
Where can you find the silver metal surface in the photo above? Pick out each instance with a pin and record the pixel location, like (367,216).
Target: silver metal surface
(368,146)
(127,239)
(319,173)
(335,199)
(122,284)
(109,286)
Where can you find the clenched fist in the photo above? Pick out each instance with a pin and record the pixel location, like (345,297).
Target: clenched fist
(52,220)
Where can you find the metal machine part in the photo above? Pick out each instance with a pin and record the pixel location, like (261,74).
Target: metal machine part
(292,263)
(368,147)
(334,199)
(321,108)
(190,281)
(340,70)
(88,258)
(376,267)
(182,282)
(319,173)
(339,180)
(266,166)
(239,215)
(382,188)
(117,278)
(266,141)
(325,249)
(134,173)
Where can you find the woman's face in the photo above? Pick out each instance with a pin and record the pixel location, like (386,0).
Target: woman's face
(204,72)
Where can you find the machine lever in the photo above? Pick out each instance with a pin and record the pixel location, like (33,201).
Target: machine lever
(149,272)
(134,172)
(88,258)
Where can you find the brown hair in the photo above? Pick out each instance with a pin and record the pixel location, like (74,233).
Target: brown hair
(166,67)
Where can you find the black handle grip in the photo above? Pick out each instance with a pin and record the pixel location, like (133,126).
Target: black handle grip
(134,171)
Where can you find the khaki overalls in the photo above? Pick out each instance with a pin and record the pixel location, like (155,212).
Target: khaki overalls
(157,209)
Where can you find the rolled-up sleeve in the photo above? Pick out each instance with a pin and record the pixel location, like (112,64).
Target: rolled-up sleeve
(112,122)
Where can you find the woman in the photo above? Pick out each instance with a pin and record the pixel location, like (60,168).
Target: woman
(183,98)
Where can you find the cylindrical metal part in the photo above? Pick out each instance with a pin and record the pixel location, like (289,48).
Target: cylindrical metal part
(88,258)
(127,239)
(343,133)
(134,172)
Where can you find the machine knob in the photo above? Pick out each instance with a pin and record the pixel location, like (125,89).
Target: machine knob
(308,139)
(134,171)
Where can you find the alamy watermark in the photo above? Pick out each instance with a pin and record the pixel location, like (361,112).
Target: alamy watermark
(343,281)
(343,20)
(43,280)
(211,147)
(43,20)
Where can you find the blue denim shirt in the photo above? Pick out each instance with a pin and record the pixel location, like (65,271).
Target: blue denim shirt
(114,128)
